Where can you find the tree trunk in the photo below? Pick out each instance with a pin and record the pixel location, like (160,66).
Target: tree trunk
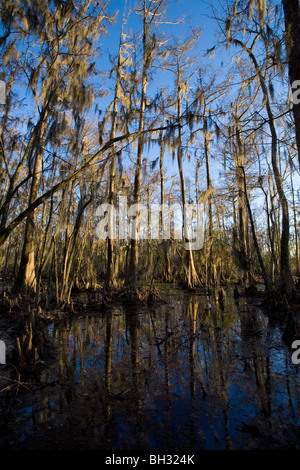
(274,267)
(71,251)
(191,277)
(267,280)
(286,278)
(243,250)
(295,227)
(291,10)
(132,273)
(209,188)
(165,243)
(42,255)
(110,280)
(26,278)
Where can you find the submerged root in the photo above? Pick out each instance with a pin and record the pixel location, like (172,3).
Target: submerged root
(153,295)
(29,347)
(132,294)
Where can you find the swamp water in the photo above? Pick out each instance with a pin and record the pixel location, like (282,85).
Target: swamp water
(182,375)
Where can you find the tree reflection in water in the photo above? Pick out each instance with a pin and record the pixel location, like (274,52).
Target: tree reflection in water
(192,373)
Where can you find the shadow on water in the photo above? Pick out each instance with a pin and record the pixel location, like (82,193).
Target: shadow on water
(190,374)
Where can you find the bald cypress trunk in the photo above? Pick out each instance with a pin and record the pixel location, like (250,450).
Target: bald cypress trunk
(268,284)
(191,277)
(165,243)
(132,272)
(209,203)
(286,278)
(291,10)
(26,278)
(110,280)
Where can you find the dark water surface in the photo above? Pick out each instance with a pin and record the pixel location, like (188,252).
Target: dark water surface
(183,375)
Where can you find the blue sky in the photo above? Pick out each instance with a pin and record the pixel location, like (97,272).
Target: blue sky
(195,13)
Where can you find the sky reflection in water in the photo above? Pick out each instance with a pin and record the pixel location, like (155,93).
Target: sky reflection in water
(177,376)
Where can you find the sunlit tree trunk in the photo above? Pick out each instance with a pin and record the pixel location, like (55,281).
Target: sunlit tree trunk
(26,279)
(71,250)
(165,242)
(191,276)
(42,254)
(242,209)
(132,273)
(274,265)
(110,280)
(209,203)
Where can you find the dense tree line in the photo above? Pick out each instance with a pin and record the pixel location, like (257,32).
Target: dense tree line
(64,152)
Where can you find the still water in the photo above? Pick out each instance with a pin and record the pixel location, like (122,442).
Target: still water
(186,374)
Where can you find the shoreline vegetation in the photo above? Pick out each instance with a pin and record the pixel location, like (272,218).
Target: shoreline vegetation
(24,324)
